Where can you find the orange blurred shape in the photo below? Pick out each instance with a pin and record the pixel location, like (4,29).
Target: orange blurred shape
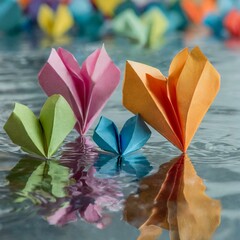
(65,1)
(24,3)
(232,23)
(198,9)
(173,105)
(174,199)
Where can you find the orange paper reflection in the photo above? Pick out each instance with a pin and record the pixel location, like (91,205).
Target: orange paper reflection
(173,105)
(174,199)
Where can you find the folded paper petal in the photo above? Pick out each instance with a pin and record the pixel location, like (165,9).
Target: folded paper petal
(106,136)
(107,7)
(86,88)
(57,120)
(174,106)
(10,15)
(134,134)
(63,21)
(24,129)
(156,24)
(46,19)
(132,137)
(104,77)
(55,78)
(199,92)
(197,10)
(146,29)
(41,136)
(55,24)
(82,11)
(138,99)
(129,25)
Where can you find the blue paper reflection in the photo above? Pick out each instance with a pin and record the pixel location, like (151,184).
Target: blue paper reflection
(109,165)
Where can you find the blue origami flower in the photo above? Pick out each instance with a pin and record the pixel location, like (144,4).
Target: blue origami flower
(134,134)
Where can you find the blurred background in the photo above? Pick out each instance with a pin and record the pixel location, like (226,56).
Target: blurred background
(144,22)
(151,32)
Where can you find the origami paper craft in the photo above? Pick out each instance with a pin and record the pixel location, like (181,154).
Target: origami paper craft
(88,19)
(24,3)
(197,10)
(55,24)
(86,88)
(173,105)
(31,7)
(157,25)
(41,136)
(177,17)
(35,179)
(107,7)
(215,23)
(10,15)
(126,5)
(81,11)
(129,25)
(136,165)
(134,134)
(174,198)
(146,30)
(232,23)
(94,28)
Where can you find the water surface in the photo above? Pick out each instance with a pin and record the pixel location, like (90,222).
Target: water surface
(76,195)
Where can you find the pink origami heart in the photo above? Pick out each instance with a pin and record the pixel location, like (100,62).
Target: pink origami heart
(86,88)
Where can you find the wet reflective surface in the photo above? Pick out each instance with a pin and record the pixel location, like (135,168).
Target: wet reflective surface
(173,199)
(153,194)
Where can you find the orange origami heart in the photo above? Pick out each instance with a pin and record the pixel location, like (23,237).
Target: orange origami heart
(174,105)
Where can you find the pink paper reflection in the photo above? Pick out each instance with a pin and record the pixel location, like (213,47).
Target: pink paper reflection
(89,197)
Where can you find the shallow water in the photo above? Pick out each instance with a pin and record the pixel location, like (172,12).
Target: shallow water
(77,196)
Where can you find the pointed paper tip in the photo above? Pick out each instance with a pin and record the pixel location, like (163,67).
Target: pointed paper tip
(130,63)
(17,105)
(103,49)
(197,53)
(59,49)
(185,49)
(53,51)
(101,120)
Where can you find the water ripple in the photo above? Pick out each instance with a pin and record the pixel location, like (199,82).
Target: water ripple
(214,151)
